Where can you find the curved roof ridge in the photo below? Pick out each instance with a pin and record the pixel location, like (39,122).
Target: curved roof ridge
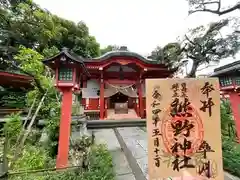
(122,53)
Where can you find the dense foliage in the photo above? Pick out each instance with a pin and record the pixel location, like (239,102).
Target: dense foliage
(170,54)
(109,48)
(231,149)
(25,23)
(100,168)
(35,156)
(12,98)
(231,156)
(44,98)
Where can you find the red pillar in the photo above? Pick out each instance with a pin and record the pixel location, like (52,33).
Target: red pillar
(105,107)
(65,127)
(102,99)
(140,100)
(235,104)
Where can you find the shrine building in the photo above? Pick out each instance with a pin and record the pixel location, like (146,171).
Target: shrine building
(12,82)
(113,85)
(229,80)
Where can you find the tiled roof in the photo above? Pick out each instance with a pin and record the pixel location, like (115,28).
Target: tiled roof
(227,68)
(121,53)
(70,55)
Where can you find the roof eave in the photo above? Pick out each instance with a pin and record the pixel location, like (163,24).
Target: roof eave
(227,66)
(227,70)
(67,54)
(60,54)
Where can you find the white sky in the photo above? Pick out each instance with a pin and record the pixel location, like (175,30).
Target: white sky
(141,25)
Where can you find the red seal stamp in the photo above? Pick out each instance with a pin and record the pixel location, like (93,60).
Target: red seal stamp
(183,133)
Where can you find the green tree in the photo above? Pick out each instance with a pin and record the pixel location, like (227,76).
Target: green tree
(25,23)
(40,101)
(205,45)
(217,7)
(170,54)
(109,48)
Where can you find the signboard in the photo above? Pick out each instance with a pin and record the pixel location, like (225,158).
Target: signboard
(184,130)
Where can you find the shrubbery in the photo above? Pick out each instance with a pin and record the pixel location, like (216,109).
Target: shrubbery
(231,156)
(231,149)
(100,168)
(36,156)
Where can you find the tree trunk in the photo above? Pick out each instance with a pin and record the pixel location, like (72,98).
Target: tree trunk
(193,71)
(29,112)
(25,122)
(29,128)
(4,174)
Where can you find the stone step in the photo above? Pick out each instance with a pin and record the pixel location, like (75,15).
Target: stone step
(130,115)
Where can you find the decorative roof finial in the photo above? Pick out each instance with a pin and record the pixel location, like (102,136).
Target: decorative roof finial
(64,49)
(123,48)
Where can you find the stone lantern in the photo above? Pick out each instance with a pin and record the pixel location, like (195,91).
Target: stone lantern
(68,69)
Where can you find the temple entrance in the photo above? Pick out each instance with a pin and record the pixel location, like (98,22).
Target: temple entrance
(121,107)
(120,101)
(118,98)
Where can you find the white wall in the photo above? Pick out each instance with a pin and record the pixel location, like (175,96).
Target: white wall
(93,86)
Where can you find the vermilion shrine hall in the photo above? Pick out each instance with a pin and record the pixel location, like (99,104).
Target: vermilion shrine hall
(111,86)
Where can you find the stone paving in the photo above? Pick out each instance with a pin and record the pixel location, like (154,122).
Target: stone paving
(136,141)
(121,166)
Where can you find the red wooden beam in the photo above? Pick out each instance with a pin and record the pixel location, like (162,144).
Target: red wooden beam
(117,81)
(15,80)
(15,76)
(131,75)
(222,88)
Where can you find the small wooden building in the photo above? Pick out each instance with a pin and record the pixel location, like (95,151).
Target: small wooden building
(9,79)
(17,83)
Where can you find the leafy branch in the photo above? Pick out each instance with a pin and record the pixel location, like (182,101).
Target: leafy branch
(204,45)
